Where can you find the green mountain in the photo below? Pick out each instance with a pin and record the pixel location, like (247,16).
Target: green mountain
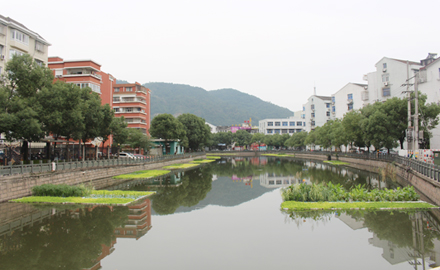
(222,107)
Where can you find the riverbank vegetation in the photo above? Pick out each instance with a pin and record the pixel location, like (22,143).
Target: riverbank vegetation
(142,174)
(180,166)
(201,161)
(336,162)
(279,155)
(49,193)
(337,193)
(291,205)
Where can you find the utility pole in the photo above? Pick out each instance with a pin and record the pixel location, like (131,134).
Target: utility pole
(408,94)
(416,113)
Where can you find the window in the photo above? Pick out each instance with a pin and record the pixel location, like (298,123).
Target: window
(313,115)
(116,89)
(386,92)
(312,106)
(304,109)
(384,65)
(303,116)
(350,107)
(116,109)
(313,123)
(270,124)
(350,96)
(1,49)
(2,29)
(291,131)
(284,124)
(19,36)
(328,113)
(299,124)
(304,124)
(128,110)
(39,46)
(333,109)
(278,182)
(327,105)
(270,131)
(333,99)
(13,52)
(116,99)
(292,124)
(385,77)
(128,89)
(284,131)
(277,131)
(277,124)
(298,130)
(271,182)
(39,62)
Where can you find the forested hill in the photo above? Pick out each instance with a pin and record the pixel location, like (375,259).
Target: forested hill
(218,107)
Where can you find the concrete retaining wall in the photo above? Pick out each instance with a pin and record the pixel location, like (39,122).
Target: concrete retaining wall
(17,186)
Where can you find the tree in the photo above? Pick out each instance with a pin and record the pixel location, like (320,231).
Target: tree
(197,132)
(353,129)
(137,139)
(311,139)
(19,89)
(428,118)
(242,137)
(258,138)
(396,110)
(165,126)
(119,130)
(297,140)
(61,111)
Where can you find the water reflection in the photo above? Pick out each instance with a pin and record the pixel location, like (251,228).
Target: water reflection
(404,236)
(69,238)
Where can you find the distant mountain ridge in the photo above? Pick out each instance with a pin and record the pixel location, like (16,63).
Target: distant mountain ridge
(223,107)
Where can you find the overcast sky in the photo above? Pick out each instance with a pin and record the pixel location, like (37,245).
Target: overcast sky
(276,50)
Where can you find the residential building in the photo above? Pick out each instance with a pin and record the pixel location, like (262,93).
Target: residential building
(132,100)
(348,98)
(388,79)
(289,125)
(212,127)
(317,111)
(429,84)
(17,39)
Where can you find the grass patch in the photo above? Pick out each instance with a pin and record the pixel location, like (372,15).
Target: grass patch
(141,174)
(336,162)
(213,157)
(221,154)
(291,205)
(200,161)
(113,197)
(180,166)
(279,155)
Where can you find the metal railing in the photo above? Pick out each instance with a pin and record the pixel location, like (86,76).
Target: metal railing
(87,164)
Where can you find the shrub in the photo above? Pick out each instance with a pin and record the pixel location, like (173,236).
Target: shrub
(60,190)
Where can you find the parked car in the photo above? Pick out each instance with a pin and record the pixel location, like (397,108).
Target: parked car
(139,156)
(126,155)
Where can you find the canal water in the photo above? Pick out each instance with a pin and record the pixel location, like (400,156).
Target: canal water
(223,215)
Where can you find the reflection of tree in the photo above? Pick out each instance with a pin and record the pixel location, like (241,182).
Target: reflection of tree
(71,241)
(195,185)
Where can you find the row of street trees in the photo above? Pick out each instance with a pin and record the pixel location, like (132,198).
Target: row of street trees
(33,107)
(381,125)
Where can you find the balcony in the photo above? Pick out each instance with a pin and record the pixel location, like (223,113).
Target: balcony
(129,100)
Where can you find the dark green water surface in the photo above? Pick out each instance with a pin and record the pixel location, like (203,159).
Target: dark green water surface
(223,215)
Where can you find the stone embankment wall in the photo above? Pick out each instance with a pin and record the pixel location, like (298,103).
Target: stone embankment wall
(428,187)
(17,186)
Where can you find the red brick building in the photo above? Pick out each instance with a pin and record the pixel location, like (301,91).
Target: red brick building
(133,102)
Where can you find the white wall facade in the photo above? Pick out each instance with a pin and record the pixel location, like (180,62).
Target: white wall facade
(387,80)
(348,98)
(317,111)
(281,126)
(16,39)
(429,84)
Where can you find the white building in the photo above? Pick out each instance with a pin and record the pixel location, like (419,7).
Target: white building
(388,79)
(212,127)
(316,112)
(429,84)
(289,125)
(16,39)
(348,98)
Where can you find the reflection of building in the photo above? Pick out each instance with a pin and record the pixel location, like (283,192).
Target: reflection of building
(271,180)
(139,221)
(247,180)
(350,221)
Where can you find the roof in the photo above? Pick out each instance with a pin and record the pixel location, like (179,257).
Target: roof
(435,61)
(324,97)
(360,84)
(402,61)
(12,22)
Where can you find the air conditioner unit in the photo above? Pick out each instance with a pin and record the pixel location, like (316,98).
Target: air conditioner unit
(58,76)
(2,57)
(365,87)
(385,83)
(384,70)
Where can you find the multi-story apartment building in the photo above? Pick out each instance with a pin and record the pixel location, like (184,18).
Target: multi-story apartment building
(317,111)
(429,84)
(289,125)
(133,102)
(17,39)
(348,98)
(386,82)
